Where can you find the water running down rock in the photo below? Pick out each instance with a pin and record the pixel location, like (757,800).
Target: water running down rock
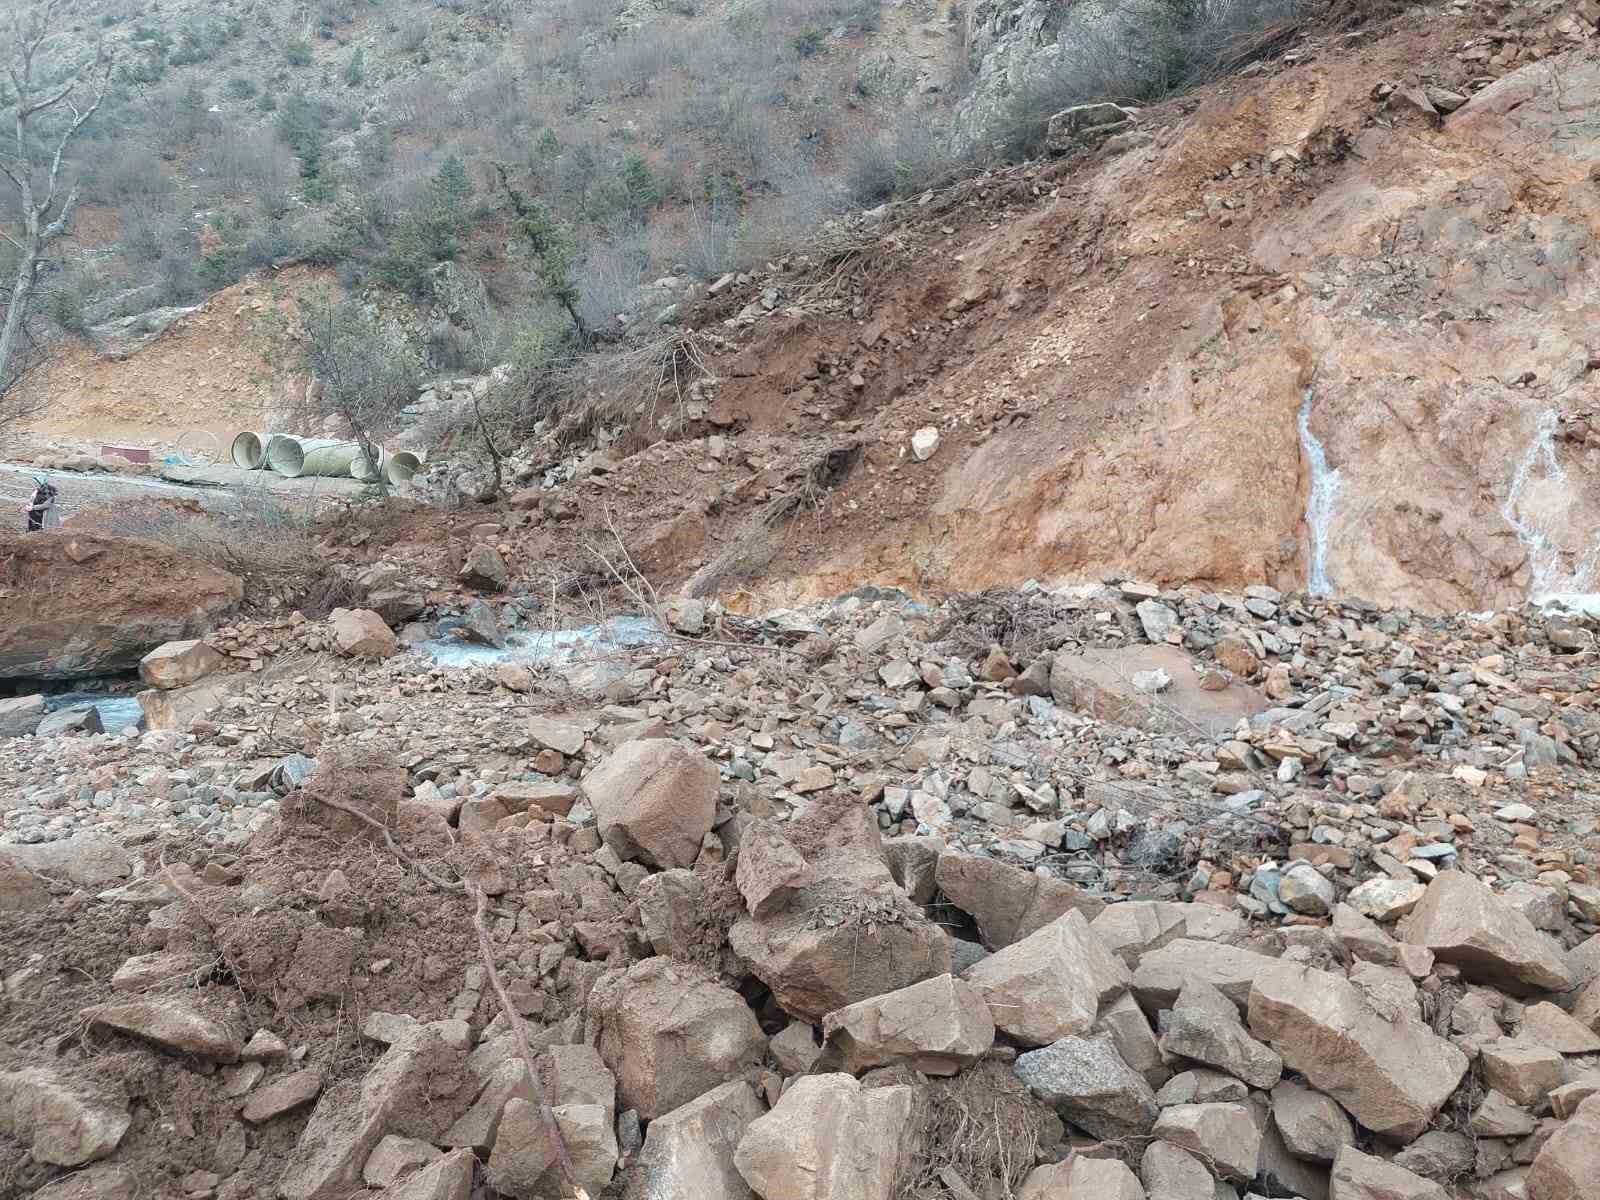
(1546,579)
(1319,501)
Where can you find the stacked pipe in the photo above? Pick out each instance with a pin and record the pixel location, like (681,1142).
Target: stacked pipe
(293,457)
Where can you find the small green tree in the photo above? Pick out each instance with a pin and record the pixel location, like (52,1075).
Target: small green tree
(639,183)
(550,251)
(355,70)
(450,186)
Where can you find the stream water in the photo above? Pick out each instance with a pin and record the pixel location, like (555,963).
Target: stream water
(1320,502)
(545,647)
(116,712)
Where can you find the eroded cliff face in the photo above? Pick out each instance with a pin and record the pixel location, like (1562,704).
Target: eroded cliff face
(1308,314)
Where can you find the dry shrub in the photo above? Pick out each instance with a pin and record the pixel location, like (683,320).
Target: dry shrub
(643,388)
(271,549)
(983,1125)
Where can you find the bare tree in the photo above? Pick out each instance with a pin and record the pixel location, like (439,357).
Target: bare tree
(365,372)
(45,117)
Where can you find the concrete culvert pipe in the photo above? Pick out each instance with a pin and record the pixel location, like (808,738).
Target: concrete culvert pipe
(362,470)
(293,457)
(401,466)
(249,449)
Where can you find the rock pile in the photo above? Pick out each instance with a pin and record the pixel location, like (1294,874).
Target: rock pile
(767,922)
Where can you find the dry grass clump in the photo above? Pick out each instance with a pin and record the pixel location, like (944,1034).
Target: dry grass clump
(982,1128)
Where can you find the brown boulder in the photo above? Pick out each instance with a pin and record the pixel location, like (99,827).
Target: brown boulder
(770,869)
(1204,1027)
(1136,927)
(937,1027)
(59,1121)
(446,1178)
(484,569)
(20,715)
(1392,1075)
(1568,1164)
(1358,1176)
(417,1089)
(110,602)
(178,664)
(283,1095)
(1006,902)
(524,1162)
(1525,1071)
(833,947)
(1467,925)
(1225,1135)
(1171,1173)
(654,801)
(690,1151)
(172,1024)
(1230,969)
(1312,1125)
(829,1138)
(361,633)
(669,1034)
(1050,984)
(182,707)
(1081,1178)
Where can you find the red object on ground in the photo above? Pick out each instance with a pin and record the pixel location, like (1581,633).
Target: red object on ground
(136,454)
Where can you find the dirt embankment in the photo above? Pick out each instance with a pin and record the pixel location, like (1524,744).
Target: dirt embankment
(1118,350)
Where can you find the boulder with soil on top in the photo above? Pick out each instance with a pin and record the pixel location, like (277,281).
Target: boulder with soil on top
(654,801)
(59,1120)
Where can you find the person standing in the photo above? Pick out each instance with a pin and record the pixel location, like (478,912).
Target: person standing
(40,506)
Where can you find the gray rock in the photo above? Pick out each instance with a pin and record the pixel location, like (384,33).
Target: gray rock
(1088,1084)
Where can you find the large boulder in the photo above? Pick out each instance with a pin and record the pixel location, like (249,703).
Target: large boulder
(525,1163)
(669,1034)
(689,1151)
(21,890)
(654,801)
(81,604)
(1467,925)
(1225,1135)
(1051,984)
(1006,902)
(182,707)
(362,633)
(417,1089)
(1205,1027)
(174,1024)
(20,715)
(1358,1176)
(178,664)
(1082,1178)
(59,1121)
(1230,969)
(937,1027)
(1568,1165)
(829,1138)
(878,942)
(1312,1125)
(1136,927)
(1392,1075)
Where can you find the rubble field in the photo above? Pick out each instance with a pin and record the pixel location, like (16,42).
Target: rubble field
(1075,893)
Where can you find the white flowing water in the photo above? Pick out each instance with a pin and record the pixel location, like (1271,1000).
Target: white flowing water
(1320,503)
(1547,581)
(546,647)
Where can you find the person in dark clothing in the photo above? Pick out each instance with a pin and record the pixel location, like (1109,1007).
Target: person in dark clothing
(44,498)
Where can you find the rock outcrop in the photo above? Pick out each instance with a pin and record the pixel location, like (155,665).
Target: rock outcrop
(80,604)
